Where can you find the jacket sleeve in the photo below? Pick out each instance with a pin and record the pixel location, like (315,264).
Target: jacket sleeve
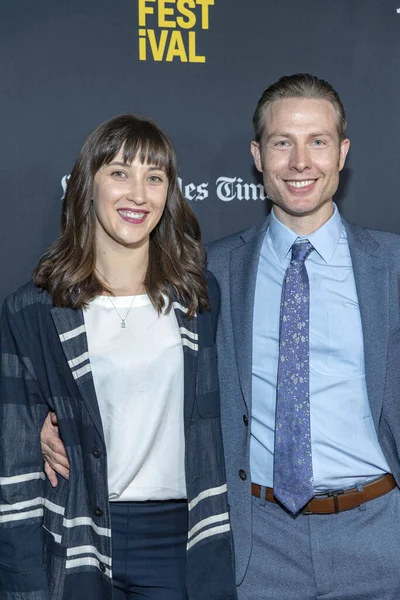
(214,297)
(22,412)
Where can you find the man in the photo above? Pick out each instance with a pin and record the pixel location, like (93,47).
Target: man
(315,512)
(319,298)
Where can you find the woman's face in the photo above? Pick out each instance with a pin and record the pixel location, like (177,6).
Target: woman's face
(128,200)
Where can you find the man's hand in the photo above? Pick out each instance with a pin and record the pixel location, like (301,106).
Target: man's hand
(55,457)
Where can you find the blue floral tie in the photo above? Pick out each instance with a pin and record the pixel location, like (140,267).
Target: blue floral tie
(293,474)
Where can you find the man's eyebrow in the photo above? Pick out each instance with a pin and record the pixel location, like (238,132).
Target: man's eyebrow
(290,135)
(277,134)
(321,134)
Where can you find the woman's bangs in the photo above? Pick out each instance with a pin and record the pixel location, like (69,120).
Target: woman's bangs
(139,139)
(149,150)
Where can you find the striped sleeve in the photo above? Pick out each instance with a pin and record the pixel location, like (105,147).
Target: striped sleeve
(22,412)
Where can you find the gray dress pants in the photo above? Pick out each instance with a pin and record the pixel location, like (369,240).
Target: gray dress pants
(353,555)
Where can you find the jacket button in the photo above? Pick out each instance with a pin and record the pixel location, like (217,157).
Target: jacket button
(242,475)
(102,567)
(98,511)
(96,452)
(245,420)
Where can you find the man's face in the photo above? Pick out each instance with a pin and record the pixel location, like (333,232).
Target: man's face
(300,157)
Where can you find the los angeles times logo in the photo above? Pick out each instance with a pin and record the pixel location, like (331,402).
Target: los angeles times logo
(226,189)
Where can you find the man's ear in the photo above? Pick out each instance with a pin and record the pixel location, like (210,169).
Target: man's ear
(344,148)
(256,152)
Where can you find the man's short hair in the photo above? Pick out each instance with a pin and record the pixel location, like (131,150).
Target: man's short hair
(300,85)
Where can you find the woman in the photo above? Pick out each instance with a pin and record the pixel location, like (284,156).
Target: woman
(116,336)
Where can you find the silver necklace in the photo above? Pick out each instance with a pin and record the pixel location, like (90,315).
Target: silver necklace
(123,320)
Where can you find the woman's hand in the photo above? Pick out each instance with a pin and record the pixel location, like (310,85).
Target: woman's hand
(55,457)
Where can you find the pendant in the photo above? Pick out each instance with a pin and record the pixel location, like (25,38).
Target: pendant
(123,324)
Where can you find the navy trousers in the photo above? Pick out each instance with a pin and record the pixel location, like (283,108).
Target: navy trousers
(149,549)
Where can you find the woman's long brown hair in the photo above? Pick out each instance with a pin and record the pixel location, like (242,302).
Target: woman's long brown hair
(176,257)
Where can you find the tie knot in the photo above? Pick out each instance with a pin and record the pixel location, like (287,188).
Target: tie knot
(301,250)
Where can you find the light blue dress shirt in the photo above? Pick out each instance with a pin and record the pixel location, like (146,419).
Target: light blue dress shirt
(345,448)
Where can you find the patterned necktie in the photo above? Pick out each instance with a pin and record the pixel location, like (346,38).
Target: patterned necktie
(293,474)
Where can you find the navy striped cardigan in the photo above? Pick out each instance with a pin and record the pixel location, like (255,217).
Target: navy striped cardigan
(55,544)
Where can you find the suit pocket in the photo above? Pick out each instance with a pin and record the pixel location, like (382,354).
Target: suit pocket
(207,387)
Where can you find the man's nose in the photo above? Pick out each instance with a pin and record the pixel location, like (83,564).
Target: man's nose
(300,158)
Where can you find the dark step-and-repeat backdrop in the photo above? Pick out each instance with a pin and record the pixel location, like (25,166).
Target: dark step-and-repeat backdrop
(197,67)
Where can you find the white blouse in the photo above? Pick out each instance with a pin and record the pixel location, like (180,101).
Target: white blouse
(138,377)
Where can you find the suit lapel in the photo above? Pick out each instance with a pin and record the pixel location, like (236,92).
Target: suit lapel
(71,331)
(372,283)
(243,274)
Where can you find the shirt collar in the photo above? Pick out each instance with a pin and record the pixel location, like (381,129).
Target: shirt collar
(325,239)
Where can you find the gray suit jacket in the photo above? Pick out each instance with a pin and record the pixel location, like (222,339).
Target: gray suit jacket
(234,261)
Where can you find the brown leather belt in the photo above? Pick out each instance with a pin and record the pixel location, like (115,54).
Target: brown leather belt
(338,500)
